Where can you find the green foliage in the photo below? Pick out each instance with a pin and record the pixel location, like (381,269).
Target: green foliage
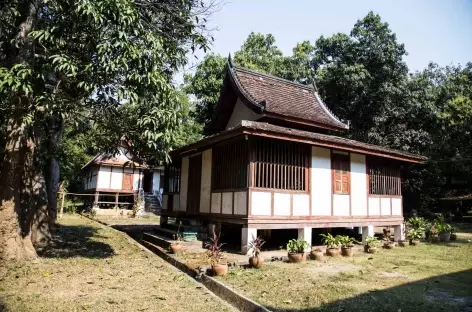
(417,223)
(371,241)
(330,241)
(214,252)
(345,241)
(297,245)
(414,234)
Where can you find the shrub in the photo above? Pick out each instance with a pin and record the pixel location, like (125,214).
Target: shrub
(415,234)
(371,241)
(417,223)
(254,246)
(297,245)
(345,241)
(329,240)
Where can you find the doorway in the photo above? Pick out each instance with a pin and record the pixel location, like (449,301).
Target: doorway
(147,181)
(194,183)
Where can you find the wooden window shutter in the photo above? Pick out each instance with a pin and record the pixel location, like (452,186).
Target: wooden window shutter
(341,169)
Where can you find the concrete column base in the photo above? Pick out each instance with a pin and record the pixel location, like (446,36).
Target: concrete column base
(399,232)
(305,233)
(247,235)
(367,231)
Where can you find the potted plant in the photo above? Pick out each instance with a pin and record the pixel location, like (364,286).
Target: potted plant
(388,243)
(414,236)
(296,250)
(346,243)
(444,230)
(371,243)
(215,254)
(433,234)
(176,246)
(387,232)
(254,251)
(317,254)
(453,233)
(417,223)
(404,243)
(331,243)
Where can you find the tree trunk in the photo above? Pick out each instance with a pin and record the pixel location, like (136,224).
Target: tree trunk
(55,130)
(15,238)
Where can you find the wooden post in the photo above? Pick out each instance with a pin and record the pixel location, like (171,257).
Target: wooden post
(95,202)
(116,200)
(62,205)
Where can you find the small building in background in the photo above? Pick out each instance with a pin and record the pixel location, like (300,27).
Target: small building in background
(115,181)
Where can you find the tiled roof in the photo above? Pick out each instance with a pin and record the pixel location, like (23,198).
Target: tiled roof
(284,98)
(110,160)
(324,138)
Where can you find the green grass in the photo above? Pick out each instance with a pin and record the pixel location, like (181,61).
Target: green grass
(430,277)
(91,267)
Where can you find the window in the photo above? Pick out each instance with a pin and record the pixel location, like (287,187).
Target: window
(280,164)
(341,173)
(172,178)
(384,177)
(230,164)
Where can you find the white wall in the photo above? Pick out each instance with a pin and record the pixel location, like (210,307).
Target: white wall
(358,185)
(397,207)
(301,205)
(374,206)
(216,203)
(116,178)
(282,204)
(241,112)
(320,181)
(240,203)
(385,206)
(104,177)
(341,205)
(184,184)
(137,180)
(156,180)
(261,203)
(205,194)
(227,203)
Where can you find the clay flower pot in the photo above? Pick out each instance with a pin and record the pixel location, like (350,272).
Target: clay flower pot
(219,269)
(366,248)
(453,237)
(389,245)
(444,236)
(317,255)
(403,243)
(435,239)
(332,252)
(176,248)
(296,257)
(372,250)
(256,261)
(347,251)
(415,242)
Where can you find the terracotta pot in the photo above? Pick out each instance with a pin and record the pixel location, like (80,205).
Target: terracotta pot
(366,248)
(372,250)
(415,242)
(296,257)
(317,255)
(435,239)
(219,269)
(176,248)
(389,245)
(347,251)
(403,243)
(332,252)
(453,237)
(256,261)
(444,236)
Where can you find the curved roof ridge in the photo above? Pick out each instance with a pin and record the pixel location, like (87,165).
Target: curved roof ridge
(327,110)
(243,90)
(308,87)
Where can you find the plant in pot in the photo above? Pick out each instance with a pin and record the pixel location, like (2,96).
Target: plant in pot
(388,243)
(215,255)
(414,236)
(387,232)
(453,233)
(332,244)
(417,223)
(254,251)
(444,229)
(347,244)
(176,246)
(433,233)
(296,250)
(317,254)
(371,243)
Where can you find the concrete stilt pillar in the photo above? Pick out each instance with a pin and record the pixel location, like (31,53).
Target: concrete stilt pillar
(359,230)
(399,232)
(211,229)
(247,235)
(367,231)
(305,233)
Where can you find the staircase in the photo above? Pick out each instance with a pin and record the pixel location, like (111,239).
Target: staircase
(152,203)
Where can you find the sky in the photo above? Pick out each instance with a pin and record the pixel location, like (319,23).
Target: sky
(432,30)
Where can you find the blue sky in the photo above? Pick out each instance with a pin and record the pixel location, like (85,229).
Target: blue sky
(432,30)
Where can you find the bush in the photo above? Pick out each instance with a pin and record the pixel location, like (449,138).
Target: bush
(330,241)
(297,245)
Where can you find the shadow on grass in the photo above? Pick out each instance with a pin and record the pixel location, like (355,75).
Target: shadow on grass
(449,292)
(77,241)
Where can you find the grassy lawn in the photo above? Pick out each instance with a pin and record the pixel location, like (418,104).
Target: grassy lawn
(93,268)
(430,277)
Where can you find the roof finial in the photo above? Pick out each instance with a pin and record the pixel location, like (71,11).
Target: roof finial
(230,61)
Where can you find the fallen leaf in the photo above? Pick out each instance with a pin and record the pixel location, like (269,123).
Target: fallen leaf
(287,301)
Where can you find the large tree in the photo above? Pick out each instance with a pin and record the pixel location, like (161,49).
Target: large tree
(64,59)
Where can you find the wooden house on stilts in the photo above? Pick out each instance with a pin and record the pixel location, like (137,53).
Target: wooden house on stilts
(270,163)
